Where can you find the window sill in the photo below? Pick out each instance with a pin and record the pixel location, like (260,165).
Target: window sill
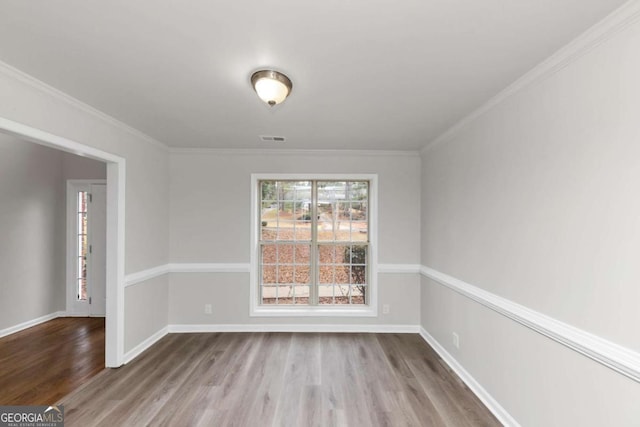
(262,311)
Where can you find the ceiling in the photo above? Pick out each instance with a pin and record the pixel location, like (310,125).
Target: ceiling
(367,74)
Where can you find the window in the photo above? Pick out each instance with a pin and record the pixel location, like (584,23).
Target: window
(313,245)
(81,241)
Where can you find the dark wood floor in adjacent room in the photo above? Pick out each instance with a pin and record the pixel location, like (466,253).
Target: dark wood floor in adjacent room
(42,364)
(279,379)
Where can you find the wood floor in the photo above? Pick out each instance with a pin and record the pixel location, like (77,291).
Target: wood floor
(42,364)
(279,379)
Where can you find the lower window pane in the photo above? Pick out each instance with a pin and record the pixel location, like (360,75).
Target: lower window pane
(284,295)
(301,295)
(325,294)
(342,300)
(302,274)
(269,294)
(326,274)
(342,274)
(358,294)
(268,274)
(285,274)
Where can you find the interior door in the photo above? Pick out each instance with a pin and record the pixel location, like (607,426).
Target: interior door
(96,285)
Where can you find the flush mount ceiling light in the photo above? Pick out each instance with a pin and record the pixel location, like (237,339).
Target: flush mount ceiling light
(271,86)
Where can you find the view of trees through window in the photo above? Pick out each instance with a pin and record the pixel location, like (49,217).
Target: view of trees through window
(314,241)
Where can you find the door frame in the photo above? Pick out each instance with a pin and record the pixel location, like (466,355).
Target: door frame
(116,177)
(73,186)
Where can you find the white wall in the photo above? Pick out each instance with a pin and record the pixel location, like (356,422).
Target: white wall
(33,223)
(210,223)
(76,167)
(26,101)
(32,239)
(149,298)
(537,201)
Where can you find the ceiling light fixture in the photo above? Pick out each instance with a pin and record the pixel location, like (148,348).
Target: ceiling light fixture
(271,86)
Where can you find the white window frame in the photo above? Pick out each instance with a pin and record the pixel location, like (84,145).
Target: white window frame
(368,310)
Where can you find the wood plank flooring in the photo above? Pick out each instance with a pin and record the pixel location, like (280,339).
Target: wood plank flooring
(42,364)
(279,379)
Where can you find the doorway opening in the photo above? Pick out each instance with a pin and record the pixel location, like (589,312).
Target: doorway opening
(115,226)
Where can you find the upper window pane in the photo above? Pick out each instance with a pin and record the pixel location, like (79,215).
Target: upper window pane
(342,211)
(285,210)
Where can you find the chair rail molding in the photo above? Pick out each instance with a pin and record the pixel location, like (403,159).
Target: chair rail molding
(238,267)
(621,359)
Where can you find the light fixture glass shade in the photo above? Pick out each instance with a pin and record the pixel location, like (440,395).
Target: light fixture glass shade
(271,86)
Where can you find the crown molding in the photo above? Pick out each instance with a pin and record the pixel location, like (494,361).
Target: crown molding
(292,152)
(23,77)
(616,21)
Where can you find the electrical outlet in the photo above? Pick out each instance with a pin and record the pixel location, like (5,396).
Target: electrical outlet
(208,309)
(385,309)
(456,340)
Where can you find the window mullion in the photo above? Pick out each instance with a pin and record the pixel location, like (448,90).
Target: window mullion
(313,254)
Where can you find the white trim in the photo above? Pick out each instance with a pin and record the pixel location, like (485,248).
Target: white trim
(610,25)
(370,310)
(240,267)
(399,268)
(261,327)
(315,311)
(144,345)
(144,275)
(210,268)
(13,72)
(30,323)
(496,409)
(292,152)
(116,213)
(41,137)
(116,184)
(609,354)
(67,314)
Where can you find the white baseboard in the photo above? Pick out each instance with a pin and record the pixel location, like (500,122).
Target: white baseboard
(137,350)
(24,325)
(496,409)
(398,329)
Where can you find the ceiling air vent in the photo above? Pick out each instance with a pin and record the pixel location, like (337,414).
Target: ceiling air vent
(266,138)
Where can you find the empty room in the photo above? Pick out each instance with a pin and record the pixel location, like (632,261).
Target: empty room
(342,213)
